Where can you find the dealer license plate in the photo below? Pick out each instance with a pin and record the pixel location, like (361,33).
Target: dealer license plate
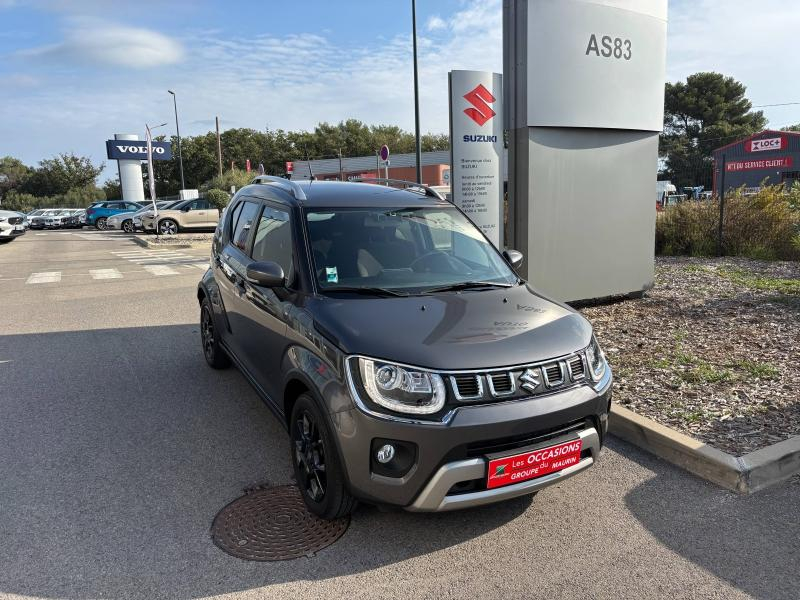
(18,227)
(529,465)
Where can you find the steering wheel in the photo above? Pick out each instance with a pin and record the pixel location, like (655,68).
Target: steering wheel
(440,262)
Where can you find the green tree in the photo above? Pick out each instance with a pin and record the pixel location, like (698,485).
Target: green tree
(709,110)
(13,173)
(795,127)
(61,174)
(112,189)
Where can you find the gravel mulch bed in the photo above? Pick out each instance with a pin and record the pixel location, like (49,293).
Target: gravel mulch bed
(712,350)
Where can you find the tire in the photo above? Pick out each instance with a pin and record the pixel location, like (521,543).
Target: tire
(324,490)
(167,227)
(212,350)
(127,226)
(101,224)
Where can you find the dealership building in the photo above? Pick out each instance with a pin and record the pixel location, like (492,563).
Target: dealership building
(435,168)
(765,158)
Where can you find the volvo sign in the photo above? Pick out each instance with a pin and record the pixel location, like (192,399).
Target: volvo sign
(476,149)
(137,150)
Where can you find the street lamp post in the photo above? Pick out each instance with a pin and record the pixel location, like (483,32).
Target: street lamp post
(418,144)
(178,130)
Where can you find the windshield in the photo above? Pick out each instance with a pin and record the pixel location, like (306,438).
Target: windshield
(408,249)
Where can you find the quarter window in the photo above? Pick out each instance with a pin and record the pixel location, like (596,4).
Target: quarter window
(273,241)
(243,222)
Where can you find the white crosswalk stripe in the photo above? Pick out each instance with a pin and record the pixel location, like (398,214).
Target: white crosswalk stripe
(45,277)
(143,257)
(160,270)
(105,274)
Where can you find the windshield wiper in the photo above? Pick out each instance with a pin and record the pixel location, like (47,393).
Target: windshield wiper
(467,285)
(371,291)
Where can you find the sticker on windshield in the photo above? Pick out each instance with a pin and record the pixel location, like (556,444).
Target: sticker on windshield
(333,276)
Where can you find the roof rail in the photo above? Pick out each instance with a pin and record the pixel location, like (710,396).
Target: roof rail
(285,184)
(428,191)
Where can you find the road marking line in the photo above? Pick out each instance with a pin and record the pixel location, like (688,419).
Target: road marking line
(105,274)
(160,270)
(201,266)
(46,277)
(39,234)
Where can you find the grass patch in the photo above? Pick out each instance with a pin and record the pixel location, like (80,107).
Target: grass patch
(696,269)
(757,370)
(760,282)
(705,373)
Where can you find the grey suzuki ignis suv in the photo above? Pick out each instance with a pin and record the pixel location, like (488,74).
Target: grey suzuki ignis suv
(408,361)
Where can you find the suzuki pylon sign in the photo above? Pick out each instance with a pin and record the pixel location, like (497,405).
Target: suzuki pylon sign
(476,149)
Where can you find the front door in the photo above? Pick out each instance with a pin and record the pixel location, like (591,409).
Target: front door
(267,309)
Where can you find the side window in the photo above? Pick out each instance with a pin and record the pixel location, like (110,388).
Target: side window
(242,224)
(202,204)
(274,239)
(193,205)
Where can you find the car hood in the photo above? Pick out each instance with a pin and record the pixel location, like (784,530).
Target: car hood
(454,330)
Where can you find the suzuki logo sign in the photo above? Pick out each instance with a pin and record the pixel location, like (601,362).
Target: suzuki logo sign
(480,98)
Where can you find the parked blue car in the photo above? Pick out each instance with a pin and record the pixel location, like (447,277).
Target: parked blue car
(98,212)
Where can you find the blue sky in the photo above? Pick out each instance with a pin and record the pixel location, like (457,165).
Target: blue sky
(73,72)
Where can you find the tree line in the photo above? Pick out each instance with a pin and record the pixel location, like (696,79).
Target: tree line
(71,181)
(706,111)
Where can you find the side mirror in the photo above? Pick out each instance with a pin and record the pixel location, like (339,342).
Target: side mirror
(514,257)
(186,208)
(266,274)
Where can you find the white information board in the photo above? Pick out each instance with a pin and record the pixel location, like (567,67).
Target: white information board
(596,63)
(476,147)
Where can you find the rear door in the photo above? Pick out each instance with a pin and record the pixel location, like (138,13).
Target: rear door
(230,267)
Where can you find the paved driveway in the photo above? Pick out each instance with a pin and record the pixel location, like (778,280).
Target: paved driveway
(118,446)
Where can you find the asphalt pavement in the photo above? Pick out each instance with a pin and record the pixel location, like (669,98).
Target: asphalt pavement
(118,446)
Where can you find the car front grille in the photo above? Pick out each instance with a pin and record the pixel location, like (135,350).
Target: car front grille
(521,381)
(14,220)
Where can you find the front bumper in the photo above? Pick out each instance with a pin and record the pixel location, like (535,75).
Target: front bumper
(11,232)
(435,496)
(450,469)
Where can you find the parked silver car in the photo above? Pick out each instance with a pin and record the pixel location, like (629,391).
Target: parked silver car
(11,225)
(130,222)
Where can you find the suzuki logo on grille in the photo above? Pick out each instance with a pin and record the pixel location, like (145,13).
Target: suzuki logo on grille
(530,379)
(480,98)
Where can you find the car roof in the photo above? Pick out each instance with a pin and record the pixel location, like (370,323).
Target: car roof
(346,194)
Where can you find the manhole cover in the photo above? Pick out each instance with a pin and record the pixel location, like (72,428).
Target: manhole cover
(273,524)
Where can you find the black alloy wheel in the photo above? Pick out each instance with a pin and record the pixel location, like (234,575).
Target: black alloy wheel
(309,450)
(214,354)
(317,465)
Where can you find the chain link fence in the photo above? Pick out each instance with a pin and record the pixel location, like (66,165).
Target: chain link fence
(758,222)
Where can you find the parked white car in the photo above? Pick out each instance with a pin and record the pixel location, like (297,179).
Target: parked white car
(11,225)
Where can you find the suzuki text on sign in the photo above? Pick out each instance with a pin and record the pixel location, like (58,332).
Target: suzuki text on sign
(476,133)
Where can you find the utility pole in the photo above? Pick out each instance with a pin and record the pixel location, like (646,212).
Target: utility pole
(341,172)
(416,91)
(721,206)
(178,131)
(219,148)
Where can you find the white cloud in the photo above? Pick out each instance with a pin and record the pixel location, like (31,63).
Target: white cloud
(436,23)
(98,42)
(295,81)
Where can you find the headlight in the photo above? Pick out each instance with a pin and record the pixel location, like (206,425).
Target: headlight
(596,360)
(401,389)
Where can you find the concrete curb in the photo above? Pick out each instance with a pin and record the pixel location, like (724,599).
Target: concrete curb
(745,474)
(144,242)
